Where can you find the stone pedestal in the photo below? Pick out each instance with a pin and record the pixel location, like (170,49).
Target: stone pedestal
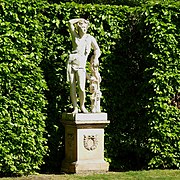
(84,142)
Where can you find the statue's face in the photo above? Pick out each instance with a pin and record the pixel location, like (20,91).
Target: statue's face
(83,26)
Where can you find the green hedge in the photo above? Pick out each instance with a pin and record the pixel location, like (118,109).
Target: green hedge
(58,45)
(144,127)
(22,100)
(128,67)
(107,2)
(140,71)
(164,47)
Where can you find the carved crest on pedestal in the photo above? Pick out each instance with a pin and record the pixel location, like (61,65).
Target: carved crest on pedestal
(90,142)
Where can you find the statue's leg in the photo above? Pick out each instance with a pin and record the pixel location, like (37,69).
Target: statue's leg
(72,79)
(81,77)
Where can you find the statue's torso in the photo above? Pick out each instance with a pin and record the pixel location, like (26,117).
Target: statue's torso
(81,50)
(82,45)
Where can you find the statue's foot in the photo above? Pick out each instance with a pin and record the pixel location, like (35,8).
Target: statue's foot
(75,110)
(84,110)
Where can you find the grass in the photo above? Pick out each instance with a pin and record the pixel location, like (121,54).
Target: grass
(130,175)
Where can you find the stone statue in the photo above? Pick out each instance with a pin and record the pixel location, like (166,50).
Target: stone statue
(76,66)
(95,80)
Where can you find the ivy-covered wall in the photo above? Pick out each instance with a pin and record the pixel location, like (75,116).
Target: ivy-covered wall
(139,66)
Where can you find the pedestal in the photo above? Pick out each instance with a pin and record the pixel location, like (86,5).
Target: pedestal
(84,142)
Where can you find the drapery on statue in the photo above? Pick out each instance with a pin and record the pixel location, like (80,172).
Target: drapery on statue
(76,66)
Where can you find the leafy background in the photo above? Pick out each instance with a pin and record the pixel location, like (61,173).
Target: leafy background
(139,66)
(22,85)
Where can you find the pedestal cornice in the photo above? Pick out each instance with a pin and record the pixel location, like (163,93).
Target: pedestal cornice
(85,119)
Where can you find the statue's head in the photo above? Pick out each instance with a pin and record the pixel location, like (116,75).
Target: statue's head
(82,26)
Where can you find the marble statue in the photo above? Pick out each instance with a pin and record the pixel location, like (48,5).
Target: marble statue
(76,66)
(95,80)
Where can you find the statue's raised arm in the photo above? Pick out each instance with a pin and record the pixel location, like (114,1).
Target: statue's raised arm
(73,22)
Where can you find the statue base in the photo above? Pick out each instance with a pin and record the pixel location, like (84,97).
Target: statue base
(84,142)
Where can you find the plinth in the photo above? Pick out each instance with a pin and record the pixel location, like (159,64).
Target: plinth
(84,142)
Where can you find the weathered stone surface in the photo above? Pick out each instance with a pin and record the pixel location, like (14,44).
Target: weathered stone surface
(84,142)
(85,117)
(76,66)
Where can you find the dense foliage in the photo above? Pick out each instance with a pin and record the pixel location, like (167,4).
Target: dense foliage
(143,123)
(22,101)
(140,70)
(112,2)
(138,136)
(164,46)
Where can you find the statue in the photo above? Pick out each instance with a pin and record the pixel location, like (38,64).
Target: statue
(76,66)
(95,80)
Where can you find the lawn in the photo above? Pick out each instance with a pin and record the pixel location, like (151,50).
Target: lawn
(139,175)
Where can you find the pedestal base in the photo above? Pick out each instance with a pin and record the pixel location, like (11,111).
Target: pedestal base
(85,166)
(84,142)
